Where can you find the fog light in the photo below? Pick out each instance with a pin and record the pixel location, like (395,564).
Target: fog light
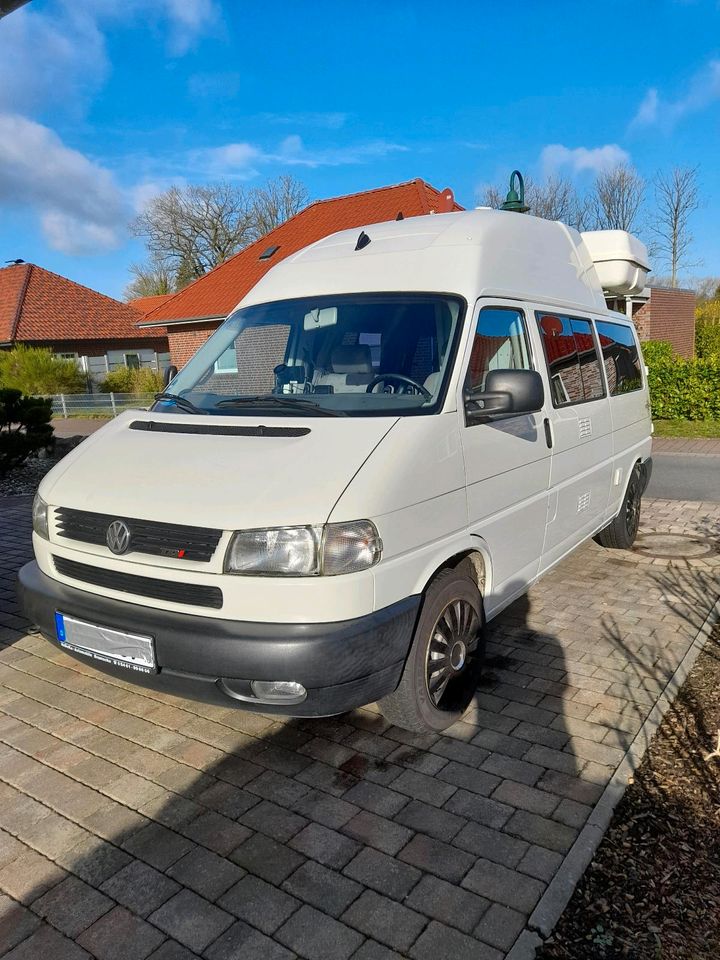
(278,691)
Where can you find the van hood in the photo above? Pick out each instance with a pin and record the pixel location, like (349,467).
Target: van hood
(282,471)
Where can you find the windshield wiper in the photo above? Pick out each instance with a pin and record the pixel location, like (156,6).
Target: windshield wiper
(261,400)
(181,402)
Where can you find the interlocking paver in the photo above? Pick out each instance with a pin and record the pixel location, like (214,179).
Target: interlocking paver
(382,873)
(118,935)
(140,888)
(72,906)
(501,885)
(392,923)
(16,923)
(440,942)
(48,943)
(447,903)
(328,847)
(206,873)
(259,903)
(192,920)
(440,824)
(268,838)
(244,941)
(315,936)
(268,859)
(323,888)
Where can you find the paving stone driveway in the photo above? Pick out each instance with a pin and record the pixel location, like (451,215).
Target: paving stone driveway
(138,825)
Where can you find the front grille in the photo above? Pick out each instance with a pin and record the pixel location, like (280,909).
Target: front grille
(194,594)
(146,536)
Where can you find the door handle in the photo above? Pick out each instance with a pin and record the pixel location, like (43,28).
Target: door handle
(548,433)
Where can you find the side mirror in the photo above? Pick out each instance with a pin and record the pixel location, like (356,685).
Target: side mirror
(507,392)
(170,374)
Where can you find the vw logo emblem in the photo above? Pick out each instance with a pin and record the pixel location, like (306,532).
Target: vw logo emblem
(118,536)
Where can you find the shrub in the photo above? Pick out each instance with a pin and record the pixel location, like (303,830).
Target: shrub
(35,370)
(128,380)
(118,381)
(683,389)
(655,351)
(707,339)
(24,427)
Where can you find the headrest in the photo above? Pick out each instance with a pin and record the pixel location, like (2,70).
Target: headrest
(351,359)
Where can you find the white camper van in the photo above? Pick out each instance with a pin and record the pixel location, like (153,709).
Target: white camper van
(397,431)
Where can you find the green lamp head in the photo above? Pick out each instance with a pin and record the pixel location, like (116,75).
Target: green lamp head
(515,199)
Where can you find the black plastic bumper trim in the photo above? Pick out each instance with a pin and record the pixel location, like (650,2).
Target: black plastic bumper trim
(342,665)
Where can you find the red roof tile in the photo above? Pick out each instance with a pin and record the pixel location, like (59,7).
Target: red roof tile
(146,304)
(215,294)
(39,306)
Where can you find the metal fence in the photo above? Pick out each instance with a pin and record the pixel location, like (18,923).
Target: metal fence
(98,404)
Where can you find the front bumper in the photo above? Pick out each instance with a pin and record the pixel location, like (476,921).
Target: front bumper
(341,665)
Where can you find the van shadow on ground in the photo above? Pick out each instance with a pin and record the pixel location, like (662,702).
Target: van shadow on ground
(139,825)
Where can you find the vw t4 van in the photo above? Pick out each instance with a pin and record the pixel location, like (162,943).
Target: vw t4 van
(397,431)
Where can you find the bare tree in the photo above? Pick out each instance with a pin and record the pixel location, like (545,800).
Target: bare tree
(616,199)
(189,230)
(676,199)
(149,280)
(706,288)
(554,199)
(276,202)
(195,227)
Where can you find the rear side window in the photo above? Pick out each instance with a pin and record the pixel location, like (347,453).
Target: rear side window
(572,359)
(620,357)
(500,344)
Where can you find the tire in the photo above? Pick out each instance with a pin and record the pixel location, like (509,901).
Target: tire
(450,628)
(621,533)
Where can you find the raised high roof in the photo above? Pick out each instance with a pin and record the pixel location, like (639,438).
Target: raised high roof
(475,253)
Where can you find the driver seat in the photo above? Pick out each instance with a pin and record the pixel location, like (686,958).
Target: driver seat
(350,369)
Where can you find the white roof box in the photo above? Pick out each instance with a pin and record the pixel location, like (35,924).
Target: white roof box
(621,261)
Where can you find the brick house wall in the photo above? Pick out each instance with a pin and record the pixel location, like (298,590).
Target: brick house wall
(184,341)
(669,314)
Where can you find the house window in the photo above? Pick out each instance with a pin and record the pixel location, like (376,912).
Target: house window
(132,361)
(227,361)
(67,356)
(572,359)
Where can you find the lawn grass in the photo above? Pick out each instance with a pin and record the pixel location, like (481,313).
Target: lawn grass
(687,428)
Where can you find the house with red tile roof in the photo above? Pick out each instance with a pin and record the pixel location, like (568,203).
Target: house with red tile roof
(190,316)
(42,309)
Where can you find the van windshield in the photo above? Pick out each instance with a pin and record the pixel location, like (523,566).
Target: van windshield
(344,355)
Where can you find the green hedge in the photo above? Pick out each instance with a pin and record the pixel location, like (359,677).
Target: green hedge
(707,340)
(680,388)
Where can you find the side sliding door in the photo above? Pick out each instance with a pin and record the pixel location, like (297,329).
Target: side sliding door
(581,431)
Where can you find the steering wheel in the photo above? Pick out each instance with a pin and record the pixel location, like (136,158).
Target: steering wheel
(385,377)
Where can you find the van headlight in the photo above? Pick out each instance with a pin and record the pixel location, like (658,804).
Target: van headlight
(40,517)
(304,551)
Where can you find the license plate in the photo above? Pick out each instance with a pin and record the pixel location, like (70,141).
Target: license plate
(130,650)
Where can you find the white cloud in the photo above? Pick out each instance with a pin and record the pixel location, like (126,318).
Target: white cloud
(58,55)
(703,90)
(243,160)
(596,159)
(81,208)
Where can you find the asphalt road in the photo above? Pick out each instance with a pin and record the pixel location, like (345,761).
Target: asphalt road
(679,476)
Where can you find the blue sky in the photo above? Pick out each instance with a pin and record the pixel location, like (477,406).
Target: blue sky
(103,104)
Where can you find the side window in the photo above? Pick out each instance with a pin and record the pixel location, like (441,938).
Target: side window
(572,359)
(620,357)
(500,344)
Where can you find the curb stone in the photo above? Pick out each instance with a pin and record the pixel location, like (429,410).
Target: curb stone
(551,905)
